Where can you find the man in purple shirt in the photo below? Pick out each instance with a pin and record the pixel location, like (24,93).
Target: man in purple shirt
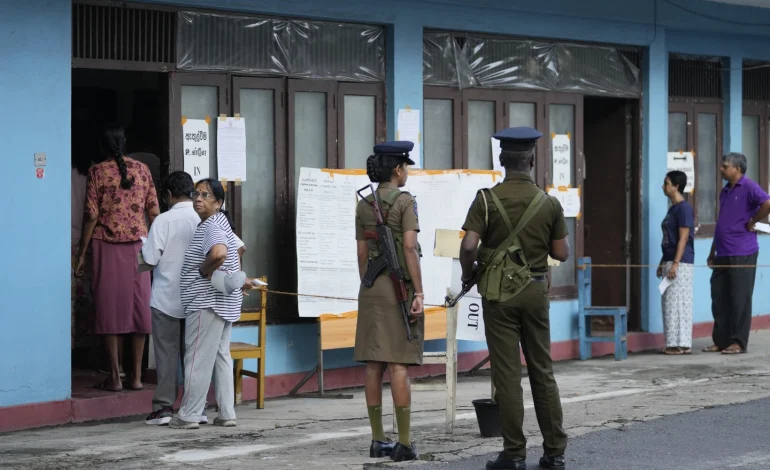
(742,203)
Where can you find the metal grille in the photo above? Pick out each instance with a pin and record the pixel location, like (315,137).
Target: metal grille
(123,33)
(694,77)
(756,81)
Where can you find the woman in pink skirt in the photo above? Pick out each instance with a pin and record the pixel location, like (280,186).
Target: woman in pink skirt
(119,194)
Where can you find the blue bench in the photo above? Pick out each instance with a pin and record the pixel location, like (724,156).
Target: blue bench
(586,311)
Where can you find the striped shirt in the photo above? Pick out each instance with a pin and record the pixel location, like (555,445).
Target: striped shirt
(197,292)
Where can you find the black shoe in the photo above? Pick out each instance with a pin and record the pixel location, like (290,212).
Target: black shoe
(556,462)
(506,463)
(402,453)
(380,449)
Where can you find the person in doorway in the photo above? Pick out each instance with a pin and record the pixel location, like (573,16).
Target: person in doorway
(120,194)
(380,333)
(209,312)
(677,265)
(515,299)
(733,256)
(164,249)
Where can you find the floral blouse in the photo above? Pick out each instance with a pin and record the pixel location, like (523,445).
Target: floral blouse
(120,213)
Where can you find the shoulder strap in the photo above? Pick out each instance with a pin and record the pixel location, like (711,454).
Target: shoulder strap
(392,196)
(502,211)
(533,207)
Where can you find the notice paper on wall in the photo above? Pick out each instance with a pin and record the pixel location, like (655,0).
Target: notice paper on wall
(562,160)
(569,199)
(684,162)
(196,147)
(408,128)
(231,148)
(326,246)
(496,156)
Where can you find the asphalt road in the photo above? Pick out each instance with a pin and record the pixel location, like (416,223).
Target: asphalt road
(722,437)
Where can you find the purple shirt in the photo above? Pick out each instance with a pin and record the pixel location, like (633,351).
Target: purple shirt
(737,205)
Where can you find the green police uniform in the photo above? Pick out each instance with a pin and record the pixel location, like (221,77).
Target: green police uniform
(380,332)
(524,318)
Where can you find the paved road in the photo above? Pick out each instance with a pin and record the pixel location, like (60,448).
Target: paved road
(722,437)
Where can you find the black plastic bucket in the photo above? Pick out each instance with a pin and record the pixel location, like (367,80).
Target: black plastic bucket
(488,417)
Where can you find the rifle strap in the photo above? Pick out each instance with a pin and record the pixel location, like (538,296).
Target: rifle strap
(533,207)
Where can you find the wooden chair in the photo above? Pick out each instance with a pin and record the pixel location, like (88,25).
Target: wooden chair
(241,351)
(586,311)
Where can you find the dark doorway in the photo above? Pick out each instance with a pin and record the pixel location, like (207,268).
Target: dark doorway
(610,207)
(138,101)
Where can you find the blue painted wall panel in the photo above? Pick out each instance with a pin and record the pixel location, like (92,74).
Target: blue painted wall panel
(35,95)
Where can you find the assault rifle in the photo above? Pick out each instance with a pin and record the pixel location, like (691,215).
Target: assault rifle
(388,259)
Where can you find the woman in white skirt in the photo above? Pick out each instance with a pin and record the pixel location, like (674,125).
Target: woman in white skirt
(677,265)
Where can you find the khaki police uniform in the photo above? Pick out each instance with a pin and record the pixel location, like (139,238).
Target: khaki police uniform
(380,331)
(524,318)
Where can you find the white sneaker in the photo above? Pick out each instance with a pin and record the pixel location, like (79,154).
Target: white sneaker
(178,423)
(225,423)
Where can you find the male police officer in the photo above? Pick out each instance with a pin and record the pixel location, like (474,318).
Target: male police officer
(519,226)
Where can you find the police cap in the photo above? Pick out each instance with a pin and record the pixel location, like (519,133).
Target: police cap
(517,139)
(396,148)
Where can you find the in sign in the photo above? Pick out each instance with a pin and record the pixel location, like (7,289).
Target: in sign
(40,172)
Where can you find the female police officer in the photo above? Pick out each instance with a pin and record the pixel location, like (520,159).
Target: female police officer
(381,340)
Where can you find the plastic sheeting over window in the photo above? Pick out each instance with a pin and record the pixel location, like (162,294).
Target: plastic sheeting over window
(528,64)
(269,46)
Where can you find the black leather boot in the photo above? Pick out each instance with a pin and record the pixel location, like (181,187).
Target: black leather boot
(402,453)
(554,461)
(507,463)
(380,449)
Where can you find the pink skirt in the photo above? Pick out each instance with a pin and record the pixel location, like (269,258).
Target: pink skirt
(121,294)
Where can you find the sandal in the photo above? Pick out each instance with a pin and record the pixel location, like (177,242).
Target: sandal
(712,348)
(686,350)
(673,352)
(104,386)
(733,349)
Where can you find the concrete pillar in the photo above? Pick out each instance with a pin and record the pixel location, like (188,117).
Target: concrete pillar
(733,105)
(654,148)
(404,68)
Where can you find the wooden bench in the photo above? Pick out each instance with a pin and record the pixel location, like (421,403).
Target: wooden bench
(241,351)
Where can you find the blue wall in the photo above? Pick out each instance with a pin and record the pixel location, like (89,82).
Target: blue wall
(35,91)
(35,95)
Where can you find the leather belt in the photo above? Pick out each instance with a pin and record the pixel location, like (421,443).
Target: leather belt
(538,277)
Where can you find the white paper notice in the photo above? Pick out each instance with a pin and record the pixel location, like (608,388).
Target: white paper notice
(196,147)
(231,149)
(569,199)
(762,227)
(562,160)
(664,284)
(408,128)
(326,245)
(684,162)
(496,156)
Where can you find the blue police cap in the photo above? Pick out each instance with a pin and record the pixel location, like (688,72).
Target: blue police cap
(396,148)
(518,138)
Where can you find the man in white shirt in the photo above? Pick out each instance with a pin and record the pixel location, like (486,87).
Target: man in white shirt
(164,249)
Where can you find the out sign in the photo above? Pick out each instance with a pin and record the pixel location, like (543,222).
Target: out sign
(40,173)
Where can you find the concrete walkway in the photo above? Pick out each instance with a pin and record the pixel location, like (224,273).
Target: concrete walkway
(334,434)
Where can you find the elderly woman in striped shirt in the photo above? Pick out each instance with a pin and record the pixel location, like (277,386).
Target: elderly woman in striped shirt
(209,312)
